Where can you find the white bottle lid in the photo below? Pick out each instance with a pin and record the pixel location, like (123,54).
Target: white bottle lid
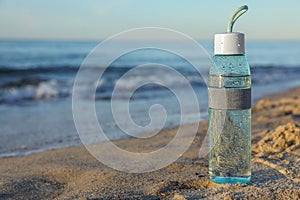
(229,43)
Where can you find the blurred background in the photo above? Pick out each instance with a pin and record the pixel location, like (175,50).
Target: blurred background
(43,43)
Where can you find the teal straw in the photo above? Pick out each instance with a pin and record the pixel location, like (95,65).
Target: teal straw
(237,13)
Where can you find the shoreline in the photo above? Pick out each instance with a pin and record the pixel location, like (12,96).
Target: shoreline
(77,141)
(71,172)
(63,132)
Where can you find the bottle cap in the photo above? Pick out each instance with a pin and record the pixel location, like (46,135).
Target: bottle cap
(229,43)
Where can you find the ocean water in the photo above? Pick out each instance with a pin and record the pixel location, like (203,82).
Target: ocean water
(37,77)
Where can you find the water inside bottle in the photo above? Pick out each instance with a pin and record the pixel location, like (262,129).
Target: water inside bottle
(230,139)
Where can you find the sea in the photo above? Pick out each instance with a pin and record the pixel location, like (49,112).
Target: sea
(37,79)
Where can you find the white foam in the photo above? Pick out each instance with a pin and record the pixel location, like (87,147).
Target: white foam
(165,79)
(44,90)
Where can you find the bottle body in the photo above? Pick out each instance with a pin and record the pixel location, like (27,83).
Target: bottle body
(230,119)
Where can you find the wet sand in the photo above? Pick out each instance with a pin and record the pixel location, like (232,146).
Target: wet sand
(72,173)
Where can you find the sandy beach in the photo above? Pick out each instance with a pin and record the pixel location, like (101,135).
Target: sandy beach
(72,173)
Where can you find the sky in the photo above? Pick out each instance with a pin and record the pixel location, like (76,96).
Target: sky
(98,19)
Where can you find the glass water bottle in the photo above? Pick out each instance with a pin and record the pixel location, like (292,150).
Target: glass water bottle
(229,111)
